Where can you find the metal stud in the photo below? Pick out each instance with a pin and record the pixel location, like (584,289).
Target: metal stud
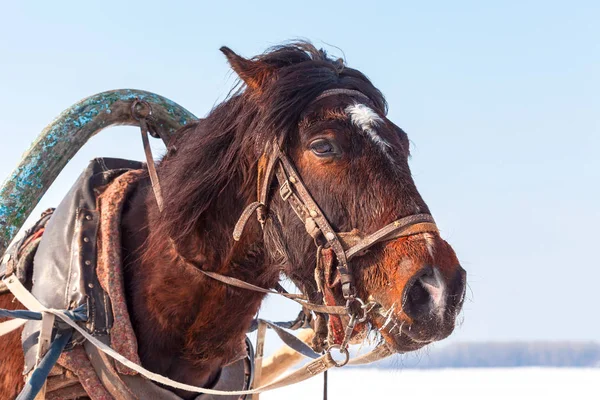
(292,179)
(330,235)
(91,285)
(88,217)
(88,262)
(86,239)
(313,213)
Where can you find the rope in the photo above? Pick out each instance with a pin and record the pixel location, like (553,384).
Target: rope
(39,375)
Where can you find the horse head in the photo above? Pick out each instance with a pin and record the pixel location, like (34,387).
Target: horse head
(331,123)
(306,142)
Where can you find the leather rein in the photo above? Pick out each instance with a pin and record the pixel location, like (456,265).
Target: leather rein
(274,164)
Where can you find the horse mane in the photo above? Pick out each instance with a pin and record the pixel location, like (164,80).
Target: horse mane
(219,154)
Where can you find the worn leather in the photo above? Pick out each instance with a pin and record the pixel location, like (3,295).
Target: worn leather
(235,376)
(65,263)
(64,277)
(13,263)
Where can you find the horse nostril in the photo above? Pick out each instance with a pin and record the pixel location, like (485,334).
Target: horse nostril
(426,295)
(417,301)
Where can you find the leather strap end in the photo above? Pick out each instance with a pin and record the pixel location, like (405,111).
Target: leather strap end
(348,288)
(241,224)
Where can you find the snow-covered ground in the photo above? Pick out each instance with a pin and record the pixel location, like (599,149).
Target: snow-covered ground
(450,384)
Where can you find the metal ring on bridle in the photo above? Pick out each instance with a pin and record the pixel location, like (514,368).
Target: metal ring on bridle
(342,350)
(365,307)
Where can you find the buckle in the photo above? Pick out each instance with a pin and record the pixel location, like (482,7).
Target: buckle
(285,190)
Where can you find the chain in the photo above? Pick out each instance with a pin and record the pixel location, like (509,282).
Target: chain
(342,348)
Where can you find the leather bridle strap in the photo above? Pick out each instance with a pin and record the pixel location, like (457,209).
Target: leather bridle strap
(141,111)
(407,226)
(338,91)
(293,190)
(298,298)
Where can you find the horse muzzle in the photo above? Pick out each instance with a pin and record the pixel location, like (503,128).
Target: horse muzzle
(427,311)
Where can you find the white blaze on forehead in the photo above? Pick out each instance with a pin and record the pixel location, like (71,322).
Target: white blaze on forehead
(368,120)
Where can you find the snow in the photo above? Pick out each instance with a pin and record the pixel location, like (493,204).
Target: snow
(449,384)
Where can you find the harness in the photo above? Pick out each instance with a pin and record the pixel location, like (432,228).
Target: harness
(275,165)
(75,249)
(275,169)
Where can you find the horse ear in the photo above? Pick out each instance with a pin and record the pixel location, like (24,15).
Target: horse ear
(253,73)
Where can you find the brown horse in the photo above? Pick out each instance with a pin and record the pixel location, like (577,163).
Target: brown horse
(353,160)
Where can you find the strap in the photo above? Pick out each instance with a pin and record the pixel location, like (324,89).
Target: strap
(142,111)
(287,176)
(264,183)
(11,325)
(298,298)
(348,92)
(241,224)
(150,163)
(339,310)
(34,387)
(378,353)
(407,226)
(45,337)
(307,371)
(258,358)
(266,171)
(290,340)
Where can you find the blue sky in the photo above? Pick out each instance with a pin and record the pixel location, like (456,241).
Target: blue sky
(500,101)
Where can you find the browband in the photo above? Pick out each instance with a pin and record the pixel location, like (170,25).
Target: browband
(333,92)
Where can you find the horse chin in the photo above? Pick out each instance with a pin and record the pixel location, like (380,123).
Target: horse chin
(399,336)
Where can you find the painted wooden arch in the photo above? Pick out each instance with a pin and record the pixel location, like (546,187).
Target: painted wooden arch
(63,138)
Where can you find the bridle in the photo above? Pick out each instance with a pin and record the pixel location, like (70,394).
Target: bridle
(275,166)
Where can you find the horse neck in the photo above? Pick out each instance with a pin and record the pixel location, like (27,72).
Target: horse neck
(189,325)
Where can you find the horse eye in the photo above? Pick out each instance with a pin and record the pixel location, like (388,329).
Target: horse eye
(322,148)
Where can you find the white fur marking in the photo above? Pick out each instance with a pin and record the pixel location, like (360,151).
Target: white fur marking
(437,294)
(430,243)
(367,120)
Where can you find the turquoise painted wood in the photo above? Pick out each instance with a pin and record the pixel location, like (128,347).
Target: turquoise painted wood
(61,140)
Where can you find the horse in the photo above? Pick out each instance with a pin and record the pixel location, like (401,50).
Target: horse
(330,122)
